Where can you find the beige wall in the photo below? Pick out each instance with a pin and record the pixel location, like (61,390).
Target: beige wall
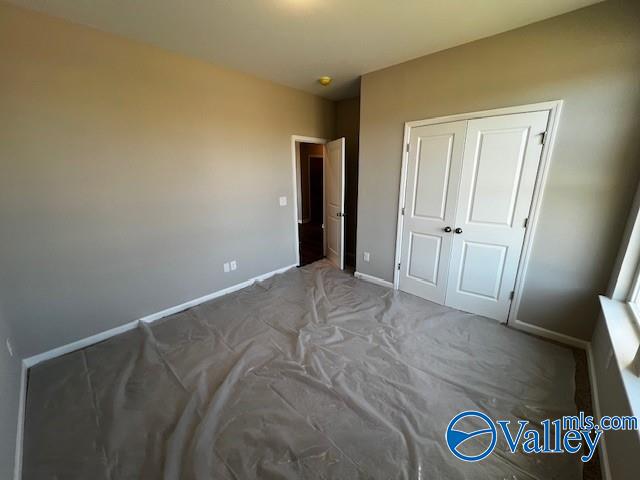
(129,175)
(589,58)
(347,125)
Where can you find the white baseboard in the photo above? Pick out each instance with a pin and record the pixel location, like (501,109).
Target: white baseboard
(22,401)
(372,279)
(595,402)
(79,344)
(99,337)
(550,334)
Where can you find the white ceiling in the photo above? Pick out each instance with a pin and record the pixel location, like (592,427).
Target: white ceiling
(293,42)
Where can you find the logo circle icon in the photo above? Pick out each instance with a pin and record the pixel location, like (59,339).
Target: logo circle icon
(456,438)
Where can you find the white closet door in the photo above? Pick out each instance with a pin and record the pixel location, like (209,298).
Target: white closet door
(499,170)
(334,201)
(433,174)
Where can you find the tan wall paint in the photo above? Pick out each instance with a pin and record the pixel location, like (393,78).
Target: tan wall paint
(130,174)
(347,125)
(589,58)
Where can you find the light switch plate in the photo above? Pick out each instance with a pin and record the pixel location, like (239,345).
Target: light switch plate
(283,201)
(226,267)
(233,265)
(366,256)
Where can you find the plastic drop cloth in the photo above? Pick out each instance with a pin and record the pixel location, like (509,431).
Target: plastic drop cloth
(310,374)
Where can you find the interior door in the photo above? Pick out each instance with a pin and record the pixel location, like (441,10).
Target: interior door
(334,202)
(499,170)
(433,173)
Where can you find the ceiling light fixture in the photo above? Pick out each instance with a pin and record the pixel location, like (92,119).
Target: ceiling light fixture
(325,81)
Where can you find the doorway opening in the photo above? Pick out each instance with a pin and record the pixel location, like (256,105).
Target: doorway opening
(311,214)
(319,177)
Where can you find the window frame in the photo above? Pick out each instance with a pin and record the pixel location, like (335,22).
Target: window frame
(633,299)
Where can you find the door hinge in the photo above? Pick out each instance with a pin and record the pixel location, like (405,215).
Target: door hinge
(398,266)
(402,212)
(512,294)
(543,138)
(407,148)
(526,222)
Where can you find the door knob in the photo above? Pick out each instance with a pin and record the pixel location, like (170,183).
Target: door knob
(447,229)
(458,230)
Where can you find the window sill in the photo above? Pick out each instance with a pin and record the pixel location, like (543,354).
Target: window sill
(635,312)
(621,324)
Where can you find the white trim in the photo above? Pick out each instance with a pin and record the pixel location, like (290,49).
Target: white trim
(550,334)
(78,344)
(22,402)
(536,202)
(401,201)
(624,337)
(372,279)
(532,107)
(595,402)
(625,279)
(295,139)
(554,108)
(85,342)
(635,289)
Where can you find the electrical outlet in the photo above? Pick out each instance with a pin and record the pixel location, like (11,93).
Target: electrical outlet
(283,201)
(366,256)
(233,264)
(9,347)
(226,267)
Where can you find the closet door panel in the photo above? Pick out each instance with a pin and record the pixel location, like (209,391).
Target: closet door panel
(433,175)
(499,169)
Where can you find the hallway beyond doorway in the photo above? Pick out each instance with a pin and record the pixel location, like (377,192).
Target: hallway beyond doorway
(310,235)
